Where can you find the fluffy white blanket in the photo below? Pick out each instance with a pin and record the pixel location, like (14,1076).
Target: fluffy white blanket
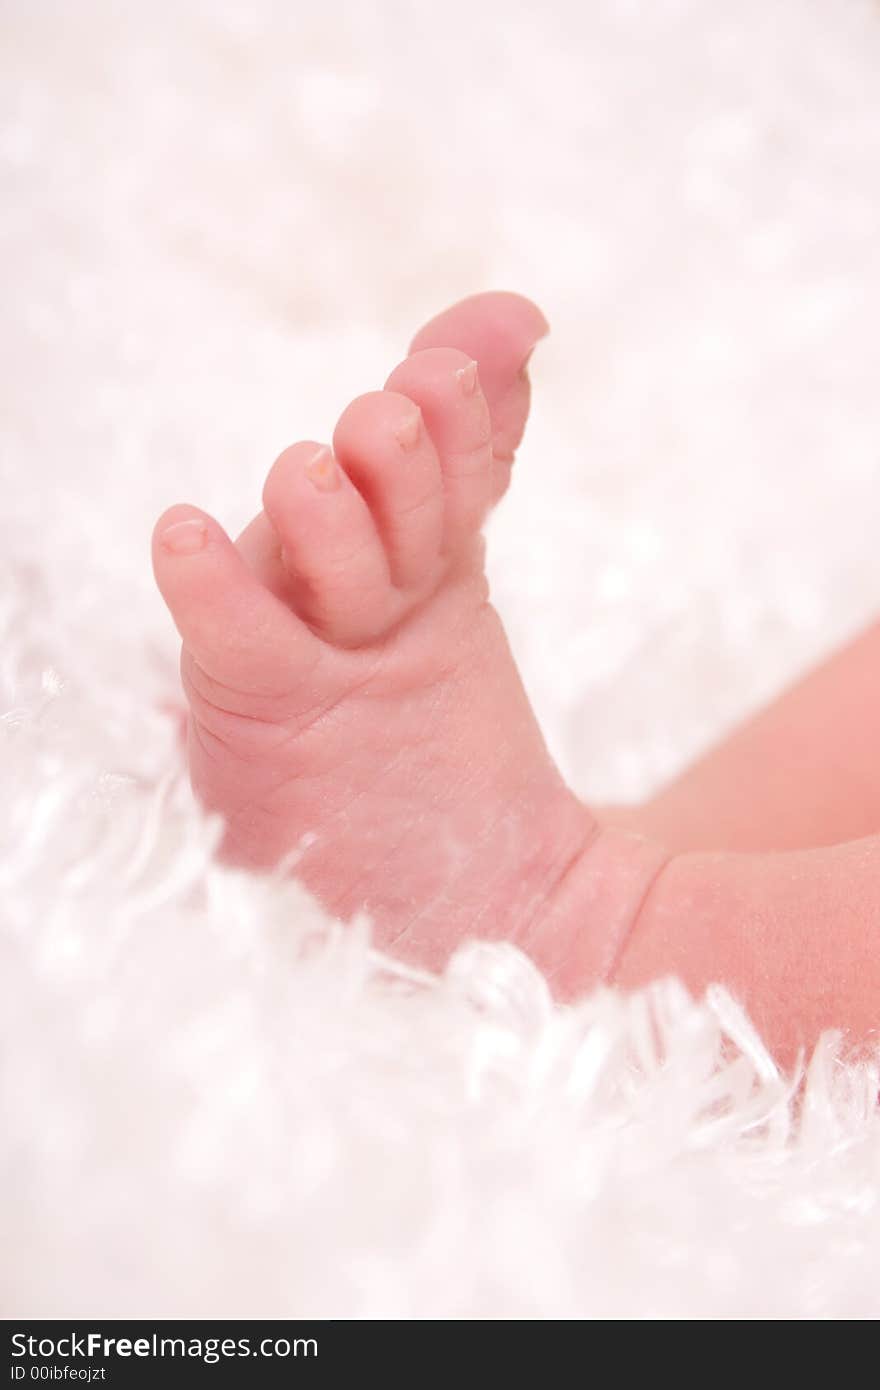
(219,223)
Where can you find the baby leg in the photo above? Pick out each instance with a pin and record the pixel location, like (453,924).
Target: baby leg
(796,936)
(800,773)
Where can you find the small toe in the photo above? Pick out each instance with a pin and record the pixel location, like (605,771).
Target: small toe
(241,637)
(499,330)
(445,385)
(340,582)
(382,443)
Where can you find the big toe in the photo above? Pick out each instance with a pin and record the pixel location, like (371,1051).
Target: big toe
(499,330)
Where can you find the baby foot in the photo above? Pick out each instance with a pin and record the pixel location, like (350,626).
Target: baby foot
(354,705)
(355,712)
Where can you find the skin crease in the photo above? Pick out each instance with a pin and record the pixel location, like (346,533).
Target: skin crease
(356,715)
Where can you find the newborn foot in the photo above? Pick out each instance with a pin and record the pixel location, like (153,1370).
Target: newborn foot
(354,706)
(355,713)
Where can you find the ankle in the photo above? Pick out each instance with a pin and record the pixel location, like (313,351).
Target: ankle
(493,874)
(579,935)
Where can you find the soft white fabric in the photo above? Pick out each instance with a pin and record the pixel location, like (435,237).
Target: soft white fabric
(219,222)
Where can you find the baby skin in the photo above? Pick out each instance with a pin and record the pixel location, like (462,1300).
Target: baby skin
(355,715)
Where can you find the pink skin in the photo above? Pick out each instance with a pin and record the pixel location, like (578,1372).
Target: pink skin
(355,713)
(794,776)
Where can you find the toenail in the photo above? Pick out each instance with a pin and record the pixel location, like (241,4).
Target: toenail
(185,537)
(407,431)
(524,369)
(467,378)
(322,470)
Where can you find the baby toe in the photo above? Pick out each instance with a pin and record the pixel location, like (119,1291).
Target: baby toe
(382,443)
(340,582)
(240,636)
(444,383)
(499,331)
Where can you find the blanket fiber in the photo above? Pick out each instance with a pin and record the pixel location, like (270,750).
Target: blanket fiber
(219,223)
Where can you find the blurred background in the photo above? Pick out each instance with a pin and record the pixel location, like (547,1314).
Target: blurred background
(220,221)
